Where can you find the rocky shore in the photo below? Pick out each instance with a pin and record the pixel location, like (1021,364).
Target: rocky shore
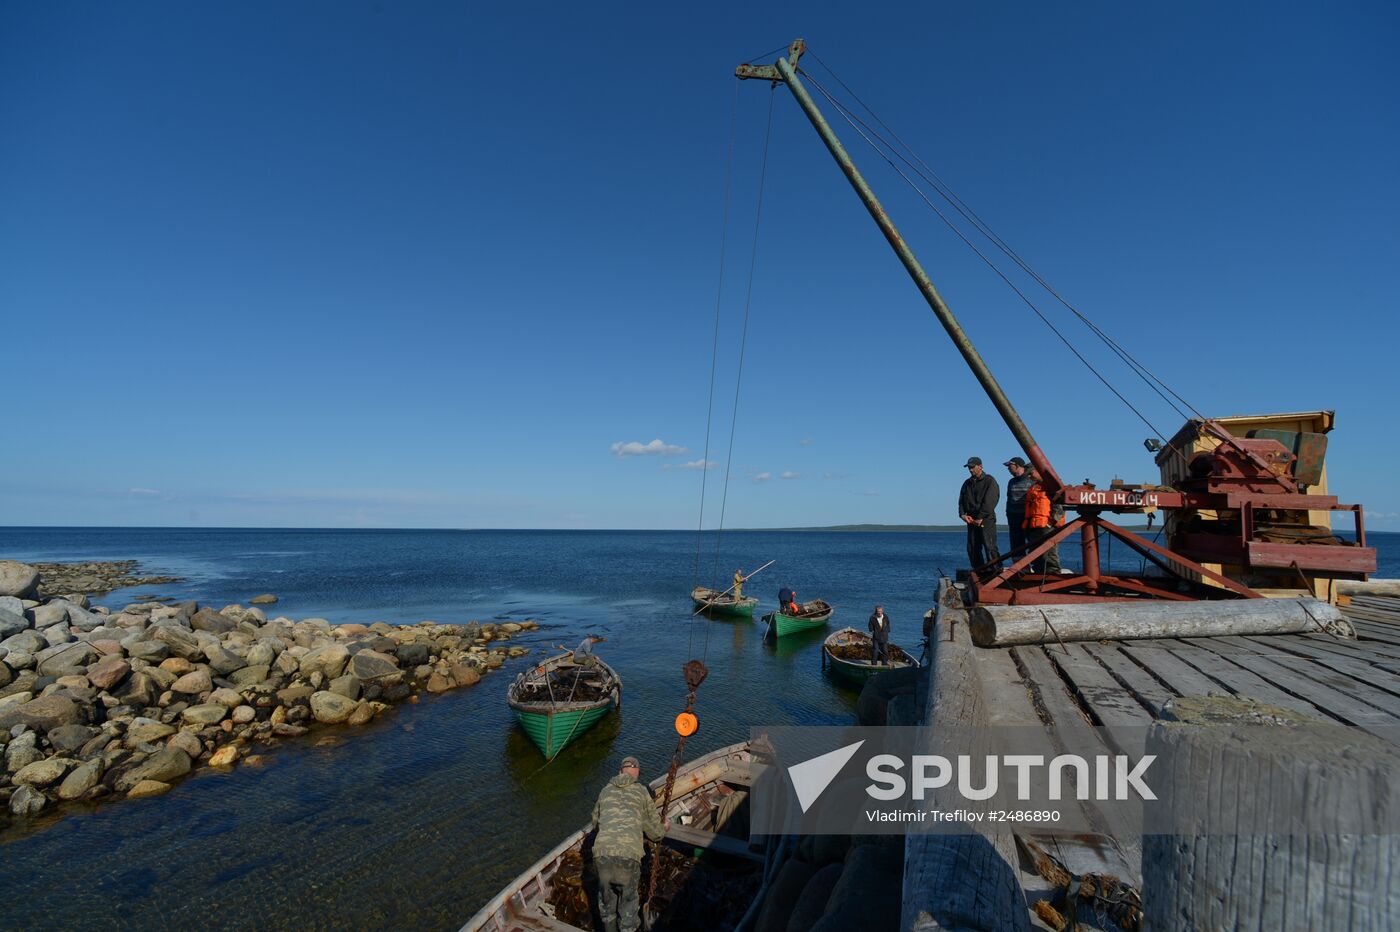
(95,578)
(97,704)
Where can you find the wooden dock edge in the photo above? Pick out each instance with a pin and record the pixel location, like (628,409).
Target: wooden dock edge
(959,882)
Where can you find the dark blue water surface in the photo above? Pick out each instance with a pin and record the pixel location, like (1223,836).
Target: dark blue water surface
(417,819)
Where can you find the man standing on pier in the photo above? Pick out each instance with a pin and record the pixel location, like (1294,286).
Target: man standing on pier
(624,813)
(977,506)
(1016,488)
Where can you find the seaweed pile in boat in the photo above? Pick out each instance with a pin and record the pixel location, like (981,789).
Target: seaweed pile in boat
(692,894)
(570,685)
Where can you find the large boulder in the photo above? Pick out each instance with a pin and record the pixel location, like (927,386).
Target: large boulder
(65,659)
(249,676)
(44,772)
(12,623)
(329,661)
(43,713)
(18,579)
(83,778)
(148,788)
(210,713)
(27,801)
(108,672)
(169,763)
(372,666)
(331,708)
(206,619)
(193,683)
(67,739)
(138,691)
(346,685)
(28,641)
(83,620)
(180,641)
(146,731)
(223,662)
(413,654)
(149,651)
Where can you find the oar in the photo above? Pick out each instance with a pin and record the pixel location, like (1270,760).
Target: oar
(747,577)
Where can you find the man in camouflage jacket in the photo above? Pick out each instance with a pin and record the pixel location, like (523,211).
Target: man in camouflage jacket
(623,813)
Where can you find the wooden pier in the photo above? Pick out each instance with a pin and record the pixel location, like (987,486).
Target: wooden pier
(990,881)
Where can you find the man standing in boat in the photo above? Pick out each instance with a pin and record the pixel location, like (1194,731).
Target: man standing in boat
(623,813)
(879,636)
(739,580)
(977,506)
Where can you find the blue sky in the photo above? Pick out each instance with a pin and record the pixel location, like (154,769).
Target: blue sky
(437,265)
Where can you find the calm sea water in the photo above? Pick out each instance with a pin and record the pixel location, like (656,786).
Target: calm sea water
(419,818)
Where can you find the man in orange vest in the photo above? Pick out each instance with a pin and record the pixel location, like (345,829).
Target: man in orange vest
(1040,523)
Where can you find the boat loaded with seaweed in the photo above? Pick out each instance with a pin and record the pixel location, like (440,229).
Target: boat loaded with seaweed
(810,616)
(710,875)
(846,655)
(559,699)
(722,603)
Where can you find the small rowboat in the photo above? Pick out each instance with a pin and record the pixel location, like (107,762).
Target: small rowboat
(720,603)
(708,811)
(846,654)
(813,614)
(559,700)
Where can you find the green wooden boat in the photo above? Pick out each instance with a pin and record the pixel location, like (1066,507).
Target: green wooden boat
(559,700)
(846,655)
(811,615)
(720,603)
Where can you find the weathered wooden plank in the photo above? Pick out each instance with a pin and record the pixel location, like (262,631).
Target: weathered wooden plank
(1351,664)
(1107,699)
(1378,589)
(1333,702)
(1142,684)
(1167,667)
(1245,682)
(684,836)
(1360,646)
(1363,687)
(1005,693)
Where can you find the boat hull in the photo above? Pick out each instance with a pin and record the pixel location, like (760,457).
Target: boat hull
(710,601)
(856,672)
(554,731)
(815,615)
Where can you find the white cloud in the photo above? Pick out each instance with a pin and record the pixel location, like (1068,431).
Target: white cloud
(790,475)
(805,441)
(143,491)
(657,447)
(866,492)
(693,464)
(763,477)
(837,475)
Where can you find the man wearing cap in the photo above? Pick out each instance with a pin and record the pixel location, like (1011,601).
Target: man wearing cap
(623,813)
(1016,488)
(977,506)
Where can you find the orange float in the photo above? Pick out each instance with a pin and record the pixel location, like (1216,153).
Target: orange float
(686,724)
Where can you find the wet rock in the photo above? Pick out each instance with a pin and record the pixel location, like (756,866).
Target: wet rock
(186,741)
(225,756)
(294,695)
(331,708)
(266,598)
(68,739)
(82,779)
(21,756)
(44,772)
(148,788)
(44,713)
(363,714)
(209,713)
(108,672)
(347,686)
(19,580)
(194,683)
(437,683)
(27,801)
(243,715)
(464,674)
(372,665)
(287,730)
(413,654)
(165,765)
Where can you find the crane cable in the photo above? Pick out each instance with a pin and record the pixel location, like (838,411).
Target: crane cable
(865,133)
